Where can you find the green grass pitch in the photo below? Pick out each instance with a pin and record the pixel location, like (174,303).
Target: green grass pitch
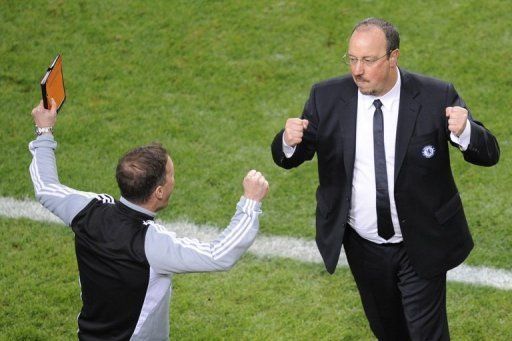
(214,81)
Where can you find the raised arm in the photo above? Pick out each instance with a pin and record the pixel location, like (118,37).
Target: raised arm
(296,142)
(61,200)
(168,254)
(480,147)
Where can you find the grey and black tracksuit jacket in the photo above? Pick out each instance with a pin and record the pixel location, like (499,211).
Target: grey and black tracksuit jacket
(126,259)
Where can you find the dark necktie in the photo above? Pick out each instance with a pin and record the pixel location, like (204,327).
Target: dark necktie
(384,223)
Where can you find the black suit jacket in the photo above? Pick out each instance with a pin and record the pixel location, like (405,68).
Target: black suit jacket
(432,220)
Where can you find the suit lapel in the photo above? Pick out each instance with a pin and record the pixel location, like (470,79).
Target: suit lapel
(407,113)
(346,108)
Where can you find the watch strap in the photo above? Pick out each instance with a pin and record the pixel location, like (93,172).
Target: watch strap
(42,130)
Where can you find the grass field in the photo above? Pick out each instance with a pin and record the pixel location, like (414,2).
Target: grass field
(214,81)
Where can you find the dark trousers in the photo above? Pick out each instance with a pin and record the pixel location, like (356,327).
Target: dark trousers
(398,304)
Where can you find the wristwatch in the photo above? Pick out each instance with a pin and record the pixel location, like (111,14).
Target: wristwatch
(41,131)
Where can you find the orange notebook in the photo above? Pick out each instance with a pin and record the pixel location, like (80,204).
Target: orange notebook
(52,84)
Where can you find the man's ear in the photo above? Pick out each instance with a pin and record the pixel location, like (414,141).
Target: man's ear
(159,192)
(394,57)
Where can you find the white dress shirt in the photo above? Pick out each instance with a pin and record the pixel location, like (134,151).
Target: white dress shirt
(363,210)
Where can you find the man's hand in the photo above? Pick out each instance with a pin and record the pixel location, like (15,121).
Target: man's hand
(294,130)
(457,118)
(44,118)
(255,186)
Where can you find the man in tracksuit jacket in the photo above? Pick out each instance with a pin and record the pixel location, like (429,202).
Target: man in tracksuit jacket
(125,259)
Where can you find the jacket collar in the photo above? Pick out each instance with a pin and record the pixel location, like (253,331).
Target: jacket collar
(135,210)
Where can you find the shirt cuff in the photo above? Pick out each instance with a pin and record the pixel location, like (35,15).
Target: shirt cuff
(43,141)
(287,150)
(464,138)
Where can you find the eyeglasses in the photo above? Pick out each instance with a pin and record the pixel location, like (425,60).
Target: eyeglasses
(367,61)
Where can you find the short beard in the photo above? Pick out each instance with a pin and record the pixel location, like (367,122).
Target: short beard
(372,92)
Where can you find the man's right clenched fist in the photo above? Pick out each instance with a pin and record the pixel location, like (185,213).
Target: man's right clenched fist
(294,130)
(255,186)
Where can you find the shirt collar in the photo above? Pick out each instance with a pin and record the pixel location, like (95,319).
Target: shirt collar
(137,207)
(386,99)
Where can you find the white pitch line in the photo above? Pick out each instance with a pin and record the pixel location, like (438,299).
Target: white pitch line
(267,246)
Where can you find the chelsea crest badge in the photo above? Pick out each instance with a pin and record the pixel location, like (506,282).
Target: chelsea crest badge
(428,151)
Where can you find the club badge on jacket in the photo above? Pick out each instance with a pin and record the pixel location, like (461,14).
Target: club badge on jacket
(428,151)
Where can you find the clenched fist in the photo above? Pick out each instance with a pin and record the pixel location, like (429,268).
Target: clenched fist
(255,186)
(457,118)
(44,118)
(294,130)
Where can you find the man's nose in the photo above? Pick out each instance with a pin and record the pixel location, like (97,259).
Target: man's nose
(358,68)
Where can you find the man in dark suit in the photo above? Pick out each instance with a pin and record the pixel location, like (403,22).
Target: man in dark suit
(386,191)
